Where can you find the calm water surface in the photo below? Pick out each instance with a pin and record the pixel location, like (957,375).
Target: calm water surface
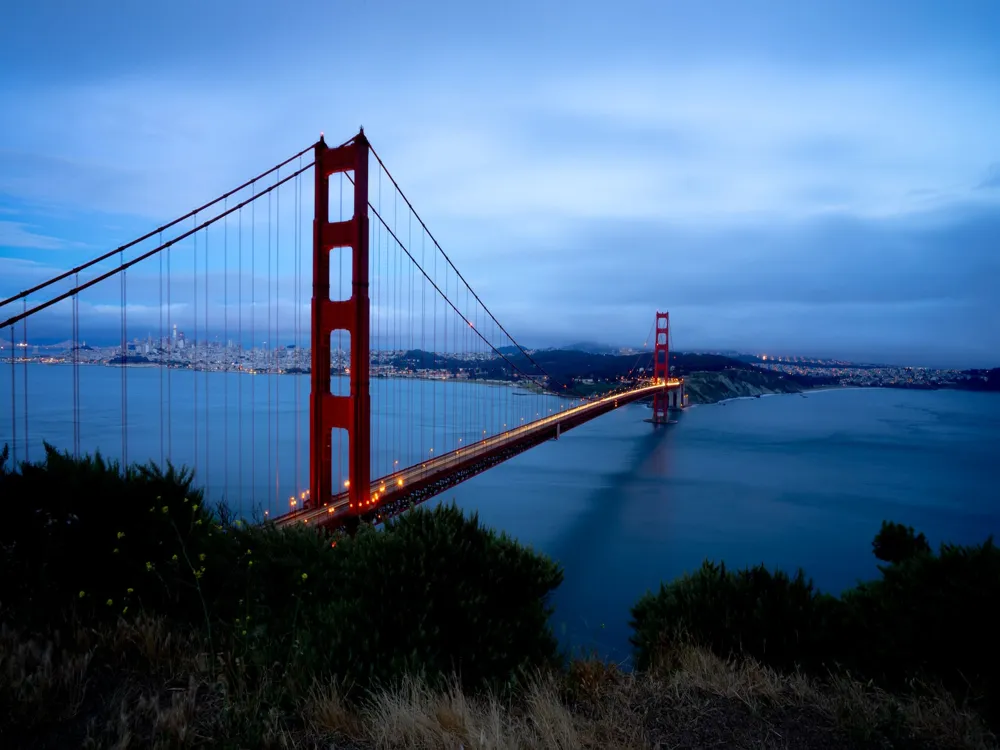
(786,480)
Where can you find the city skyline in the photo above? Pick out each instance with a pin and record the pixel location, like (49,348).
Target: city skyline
(824,181)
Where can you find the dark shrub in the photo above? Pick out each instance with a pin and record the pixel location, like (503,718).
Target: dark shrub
(771,616)
(895,543)
(87,536)
(930,616)
(433,593)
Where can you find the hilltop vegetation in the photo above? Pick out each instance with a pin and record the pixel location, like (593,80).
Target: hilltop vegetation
(131,615)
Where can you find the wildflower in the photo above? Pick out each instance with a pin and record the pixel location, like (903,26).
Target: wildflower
(187,499)
(195,506)
(158,498)
(305,576)
(174,558)
(244,632)
(130,590)
(121,534)
(125,610)
(163,509)
(198,522)
(201,556)
(110,602)
(248,552)
(82,594)
(114,551)
(250,564)
(149,566)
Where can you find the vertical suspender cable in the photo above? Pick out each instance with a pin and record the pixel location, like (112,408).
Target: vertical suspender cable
(194,345)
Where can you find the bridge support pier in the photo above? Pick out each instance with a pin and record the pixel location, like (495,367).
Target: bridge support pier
(326,411)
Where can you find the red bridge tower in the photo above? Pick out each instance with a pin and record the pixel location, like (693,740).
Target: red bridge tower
(661,365)
(326,411)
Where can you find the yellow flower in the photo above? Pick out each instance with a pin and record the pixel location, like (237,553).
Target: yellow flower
(131,590)
(250,564)
(164,509)
(149,566)
(125,610)
(305,576)
(198,522)
(201,556)
(195,506)
(82,594)
(121,534)
(115,551)
(174,558)
(110,602)
(187,499)
(248,552)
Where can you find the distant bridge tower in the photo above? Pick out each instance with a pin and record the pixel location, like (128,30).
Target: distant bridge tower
(661,365)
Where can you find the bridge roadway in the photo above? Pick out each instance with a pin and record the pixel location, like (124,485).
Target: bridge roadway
(396,492)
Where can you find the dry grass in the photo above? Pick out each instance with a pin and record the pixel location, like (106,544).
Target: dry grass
(138,685)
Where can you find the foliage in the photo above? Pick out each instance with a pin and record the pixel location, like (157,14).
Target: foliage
(771,616)
(88,536)
(432,593)
(895,543)
(436,593)
(930,618)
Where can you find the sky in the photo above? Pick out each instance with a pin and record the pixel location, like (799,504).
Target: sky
(814,178)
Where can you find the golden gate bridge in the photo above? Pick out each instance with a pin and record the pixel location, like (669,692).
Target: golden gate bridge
(421,346)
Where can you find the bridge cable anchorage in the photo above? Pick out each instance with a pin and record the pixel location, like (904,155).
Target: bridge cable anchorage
(149,235)
(520,348)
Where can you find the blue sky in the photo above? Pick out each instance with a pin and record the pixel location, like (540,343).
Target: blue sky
(818,178)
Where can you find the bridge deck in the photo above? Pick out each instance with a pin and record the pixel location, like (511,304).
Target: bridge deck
(396,492)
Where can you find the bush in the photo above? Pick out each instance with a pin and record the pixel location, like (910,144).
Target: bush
(86,536)
(895,543)
(775,618)
(929,617)
(434,592)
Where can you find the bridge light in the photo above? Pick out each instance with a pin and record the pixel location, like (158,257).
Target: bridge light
(399,482)
(347,482)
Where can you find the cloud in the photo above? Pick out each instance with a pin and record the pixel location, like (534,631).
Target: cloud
(992,179)
(19,234)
